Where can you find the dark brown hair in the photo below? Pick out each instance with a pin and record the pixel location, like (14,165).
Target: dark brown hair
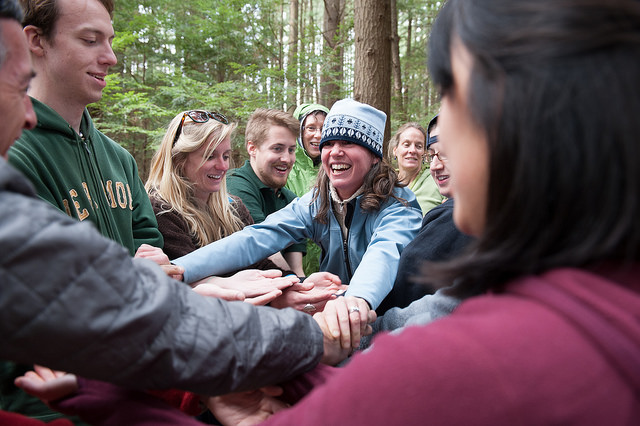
(554,84)
(45,13)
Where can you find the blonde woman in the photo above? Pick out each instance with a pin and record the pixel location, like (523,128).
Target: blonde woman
(187,188)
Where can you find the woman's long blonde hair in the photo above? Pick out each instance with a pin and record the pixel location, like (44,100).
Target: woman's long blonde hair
(208,221)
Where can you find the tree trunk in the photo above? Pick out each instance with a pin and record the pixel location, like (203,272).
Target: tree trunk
(408,95)
(292,63)
(372,71)
(333,52)
(396,69)
(279,94)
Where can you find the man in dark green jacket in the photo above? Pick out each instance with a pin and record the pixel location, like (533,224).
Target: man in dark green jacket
(270,140)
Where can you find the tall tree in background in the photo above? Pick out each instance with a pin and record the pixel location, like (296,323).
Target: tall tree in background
(292,66)
(415,18)
(396,70)
(407,53)
(372,69)
(333,52)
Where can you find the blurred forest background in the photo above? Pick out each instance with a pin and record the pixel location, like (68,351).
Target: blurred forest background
(234,56)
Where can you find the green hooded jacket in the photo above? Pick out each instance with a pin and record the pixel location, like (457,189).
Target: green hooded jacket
(302,178)
(305,171)
(88,176)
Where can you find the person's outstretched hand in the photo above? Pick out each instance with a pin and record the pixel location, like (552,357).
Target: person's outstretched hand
(311,295)
(343,322)
(255,282)
(46,384)
(246,408)
(158,256)
(207,289)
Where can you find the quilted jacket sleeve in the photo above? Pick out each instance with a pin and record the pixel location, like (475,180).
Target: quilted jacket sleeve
(75,301)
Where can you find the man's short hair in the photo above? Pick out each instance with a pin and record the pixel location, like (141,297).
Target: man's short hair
(44,14)
(9,9)
(263,119)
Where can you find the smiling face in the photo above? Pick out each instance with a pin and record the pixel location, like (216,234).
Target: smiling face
(272,159)
(346,164)
(15,74)
(438,168)
(75,60)
(464,144)
(207,177)
(410,151)
(312,133)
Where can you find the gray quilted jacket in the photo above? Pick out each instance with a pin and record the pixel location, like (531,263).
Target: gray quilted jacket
(75,301)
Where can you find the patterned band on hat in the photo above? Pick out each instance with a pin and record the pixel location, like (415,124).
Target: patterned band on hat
(347,127)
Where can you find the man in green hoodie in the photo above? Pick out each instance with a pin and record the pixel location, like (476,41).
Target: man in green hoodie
(305,170)
(72,165)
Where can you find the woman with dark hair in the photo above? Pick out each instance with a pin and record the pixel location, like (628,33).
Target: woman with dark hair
(539,112)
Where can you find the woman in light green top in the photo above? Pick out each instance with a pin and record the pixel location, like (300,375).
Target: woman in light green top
(408,147)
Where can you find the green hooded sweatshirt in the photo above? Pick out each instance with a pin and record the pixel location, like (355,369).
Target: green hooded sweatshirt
(302,178)
(304,172)
(87,176)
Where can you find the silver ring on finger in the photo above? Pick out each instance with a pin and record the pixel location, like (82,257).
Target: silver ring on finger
(354,309)
(309,308)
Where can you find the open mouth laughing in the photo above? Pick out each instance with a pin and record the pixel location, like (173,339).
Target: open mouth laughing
(282,168)
(339,168)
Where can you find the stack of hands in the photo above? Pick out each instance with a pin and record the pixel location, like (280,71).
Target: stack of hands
(256,286)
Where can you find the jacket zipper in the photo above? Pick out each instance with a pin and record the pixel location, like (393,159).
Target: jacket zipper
(101,209)
(84,142)
(345,248)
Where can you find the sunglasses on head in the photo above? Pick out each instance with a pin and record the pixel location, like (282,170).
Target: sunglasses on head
(199,116)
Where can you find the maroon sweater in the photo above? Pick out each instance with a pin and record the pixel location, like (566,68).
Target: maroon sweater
(560,348)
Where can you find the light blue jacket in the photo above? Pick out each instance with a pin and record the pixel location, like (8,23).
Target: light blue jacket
(375,242)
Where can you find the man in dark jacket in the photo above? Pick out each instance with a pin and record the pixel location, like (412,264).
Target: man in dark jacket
(437,240)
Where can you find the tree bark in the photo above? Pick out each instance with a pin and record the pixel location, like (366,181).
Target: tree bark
(333,52)
(396,69)
(292,60)
(408,95)
(372,71)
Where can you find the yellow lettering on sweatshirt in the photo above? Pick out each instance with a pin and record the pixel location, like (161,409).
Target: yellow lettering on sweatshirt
(86,191)
(65,202)
(122,195)
(82,213)
(109,194)
(130,198)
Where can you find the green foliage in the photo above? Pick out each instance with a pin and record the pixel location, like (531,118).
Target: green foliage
(228,55)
